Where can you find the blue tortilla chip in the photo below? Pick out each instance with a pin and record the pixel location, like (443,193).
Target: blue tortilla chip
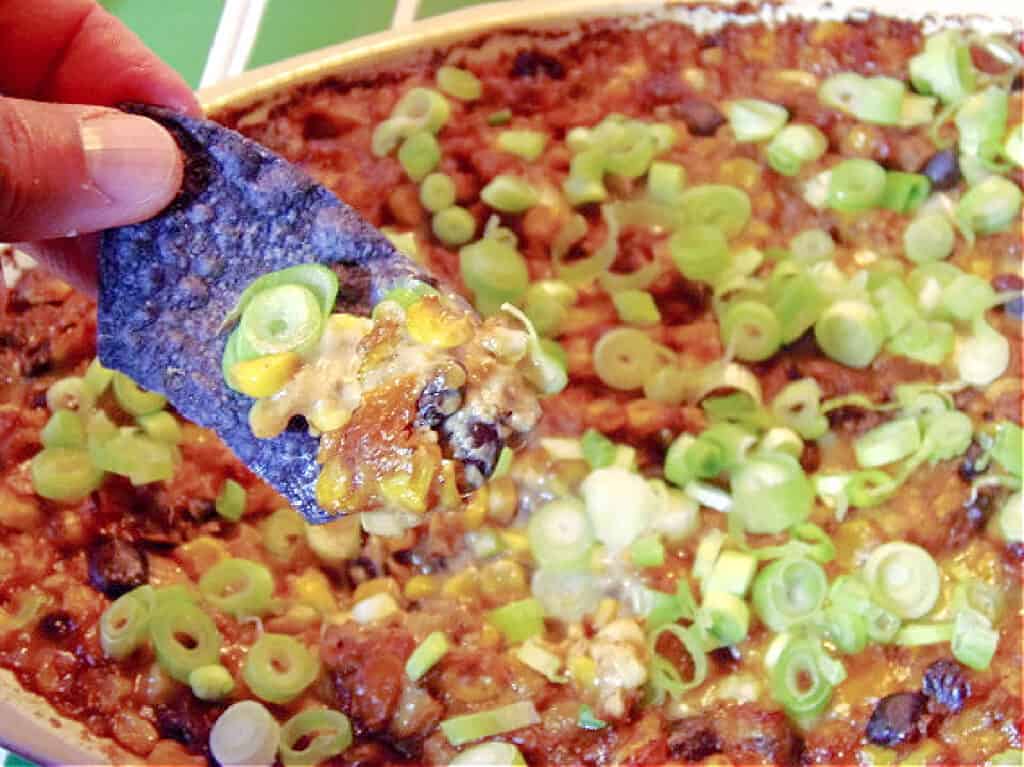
(167,284)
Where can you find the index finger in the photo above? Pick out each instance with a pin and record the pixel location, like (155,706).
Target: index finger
(73,51)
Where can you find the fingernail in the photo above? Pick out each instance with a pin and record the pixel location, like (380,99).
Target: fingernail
(130,159)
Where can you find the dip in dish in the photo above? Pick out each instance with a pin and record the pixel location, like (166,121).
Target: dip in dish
(774,516)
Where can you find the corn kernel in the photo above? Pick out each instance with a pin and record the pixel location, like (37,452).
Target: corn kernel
(336,541)
(515,540)
(199,555)
(398,491)
(462,585)
(332,486)
(313,589)
(583,670)
(503,500)
(328,415)
(503,581)
(264,376)
(297,619)
(376,586)
(607,611)
(489,636)
(346,323)
(447,486)
(435,324)
(421,586)
(741,172)
(476,510)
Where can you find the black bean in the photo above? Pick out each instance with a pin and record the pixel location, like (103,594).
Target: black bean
(58,624)
(1011,282)
(532,63)
(896,719)
(945,683)
(117,566)
(437,401)
(188,721)
(942,169)
(693,739)
(1015,308)
(726,657)
(968,468)
(702,118)
(1018,83)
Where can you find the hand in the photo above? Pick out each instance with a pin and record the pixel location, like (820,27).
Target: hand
(70,165)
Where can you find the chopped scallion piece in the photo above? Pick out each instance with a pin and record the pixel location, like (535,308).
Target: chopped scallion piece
(789,592)
(905,192)
(493,754)
(803,677)
(419,155)
(586,720)
(231,501)
(812,246)
(1009,520)
(903,578)
(770,493)
(454,226)
(664,676)
(459,83)
(278,668)
(426,655)
(665,182)
(636,307)
(929,237)
(723,207)
(888,443)
(701,252)
(1007,448)
(509,194)
(494,269)
(754,119)
(751,330)
(732,573)
(974,639)
(944,67)
(624,358)
(648,551)
(518,621)
(920,634)
(241,587)
(314,736)
(64,474)
(246,733)
(437,192)
(850,332)
(855,185)
(991,206)
(485,724)
(528,144)
(727,616)
(984,355)
(876,100)
(981,122)
(794,146)
(184,638)
(64,429)
(560,535)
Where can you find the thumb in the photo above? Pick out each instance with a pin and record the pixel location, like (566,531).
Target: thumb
(67,170)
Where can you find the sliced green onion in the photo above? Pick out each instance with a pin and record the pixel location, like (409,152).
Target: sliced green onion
(974,640)
(944,67)
(560,535)
(519,620)
(466,728)
(184,638)
(547,305)
(314,277)
(798,302)
(281,319)
(981,122)
(620,505)
(631,155)
(903,578)
(793,147)
(245,734)
(991,206)
(1007,448)
(124,625)
(664,676)
(500,117)
(419,155)
(856,185)
(493,754)
(808,540)
(783,440)
(567,596)
(983,356)
(728,617)
(888,443)
(905,192)
(528,144)
(648,551)
(64,474)
(789,592)
(459,83)
(770,493)
(967,296)
(541,660)
(586,720)
(812,246)
(731,573)
(876,100)
(64,429)
(494,268)
(927,342)
(278,668)
(283,533)
(665,182)
(700,252)
(1013,146)
(921,634)
(238,586)
(850,332)
(314,736)
(929,237)
(547,362)
(751,330)
(1011,757)
(598,450)
(509,194)
(211,682)
(231,501)
(624,358)
(947,436)
(454,226)
(162,427)
(419,109)
(585,183)
(847,630)
(754,119)
(804,676)
(437,192)
(135,400)
(636,307)
(426,655)
(725,208)
(96,379)
(65,394)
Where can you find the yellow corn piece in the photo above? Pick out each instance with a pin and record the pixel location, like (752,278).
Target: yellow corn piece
(264,376)
(462,585)
(433,323)
(312,588)
(515,540)
(332,486)
(607,611)
(375,586)
(583,670)
(876,756)
(447,486)
(297,618)
(421,586)
(489,636)
(199,555)
(342,323)
(476,510)
(327,415)
(398,491)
